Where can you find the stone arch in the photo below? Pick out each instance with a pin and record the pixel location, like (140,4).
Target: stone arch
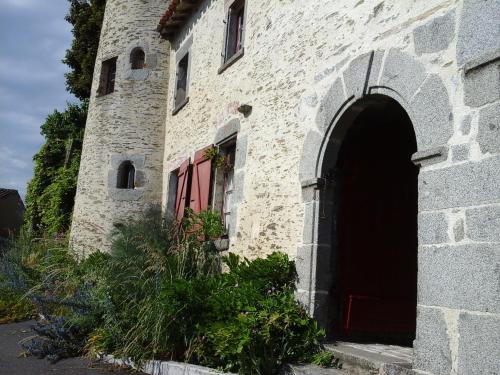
(394,74)
(137,58)
(150,61)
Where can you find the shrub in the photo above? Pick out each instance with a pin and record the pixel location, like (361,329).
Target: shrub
(252,322)
(14,306)
(160,294)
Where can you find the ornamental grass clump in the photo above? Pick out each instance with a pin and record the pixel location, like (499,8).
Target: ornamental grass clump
(161,294)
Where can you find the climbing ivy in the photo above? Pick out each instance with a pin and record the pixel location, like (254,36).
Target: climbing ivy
(51,192)
(49,201)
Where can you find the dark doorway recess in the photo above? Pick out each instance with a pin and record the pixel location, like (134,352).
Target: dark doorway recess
(374,234)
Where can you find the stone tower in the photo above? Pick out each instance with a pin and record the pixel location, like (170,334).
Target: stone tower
(121,165)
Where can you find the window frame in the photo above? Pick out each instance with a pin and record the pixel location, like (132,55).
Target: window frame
(219,189)
(230,7)
(107,79)
(182,53)
(126,174)
(134,58)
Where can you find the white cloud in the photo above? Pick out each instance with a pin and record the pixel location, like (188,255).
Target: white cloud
(34,37)
(19,3)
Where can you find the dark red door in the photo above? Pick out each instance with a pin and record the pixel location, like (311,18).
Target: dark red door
(377,231)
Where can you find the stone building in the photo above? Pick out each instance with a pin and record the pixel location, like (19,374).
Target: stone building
(360,137)
(11,213)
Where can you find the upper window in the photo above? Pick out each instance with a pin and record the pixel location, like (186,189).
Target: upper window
(126,176)
(234,32)
(137,58)
(182,81)
(108,76)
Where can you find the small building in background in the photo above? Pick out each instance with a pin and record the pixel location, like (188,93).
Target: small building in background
(11,212)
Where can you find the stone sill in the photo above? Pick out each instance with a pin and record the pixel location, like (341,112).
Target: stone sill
(238,55)
(221,244)
(101,96)
(163,367)
(481,61)
(180,106)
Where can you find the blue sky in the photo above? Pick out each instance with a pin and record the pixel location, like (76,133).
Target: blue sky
(33,39)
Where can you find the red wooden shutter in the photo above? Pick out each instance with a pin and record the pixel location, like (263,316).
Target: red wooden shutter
(181,200)
(201,181)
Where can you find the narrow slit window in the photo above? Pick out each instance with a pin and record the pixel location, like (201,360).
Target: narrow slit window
(126,176)
(235,28)
(108,77)
(181,85)
(137,58)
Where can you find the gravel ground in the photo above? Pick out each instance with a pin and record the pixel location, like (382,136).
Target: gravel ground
(12,362)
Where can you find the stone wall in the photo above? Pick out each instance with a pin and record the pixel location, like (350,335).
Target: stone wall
(459,220)
(439,59)
(293,52)
(127,124)
(302,64)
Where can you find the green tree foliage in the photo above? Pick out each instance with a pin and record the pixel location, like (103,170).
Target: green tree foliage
(51,192)
(86,17)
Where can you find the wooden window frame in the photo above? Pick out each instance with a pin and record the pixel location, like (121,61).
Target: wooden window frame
(226,148)
(183,53)
(107,81)
(235,11)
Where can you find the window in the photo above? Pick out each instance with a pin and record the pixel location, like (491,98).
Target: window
(108,76)
(181,84)
(223,182)
(193,182)
(234,32)
(205,183)
(137,58)
(126,176)
(227,173)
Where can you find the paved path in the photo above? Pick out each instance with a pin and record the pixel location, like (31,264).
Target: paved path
(12,364)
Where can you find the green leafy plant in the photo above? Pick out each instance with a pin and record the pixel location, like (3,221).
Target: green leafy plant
(219,160)
(160,294)
(14,306)
(205,225)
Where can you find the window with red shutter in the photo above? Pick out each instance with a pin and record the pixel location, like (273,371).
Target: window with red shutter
(201,181)
(183,189)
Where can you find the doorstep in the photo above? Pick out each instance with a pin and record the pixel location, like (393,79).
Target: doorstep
(370,359)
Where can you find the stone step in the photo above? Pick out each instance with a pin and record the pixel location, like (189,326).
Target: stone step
(311,370)
(373,359)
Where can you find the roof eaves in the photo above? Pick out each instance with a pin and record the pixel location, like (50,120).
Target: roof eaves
(175,17)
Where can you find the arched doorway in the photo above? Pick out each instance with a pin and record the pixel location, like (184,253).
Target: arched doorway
(373,234)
